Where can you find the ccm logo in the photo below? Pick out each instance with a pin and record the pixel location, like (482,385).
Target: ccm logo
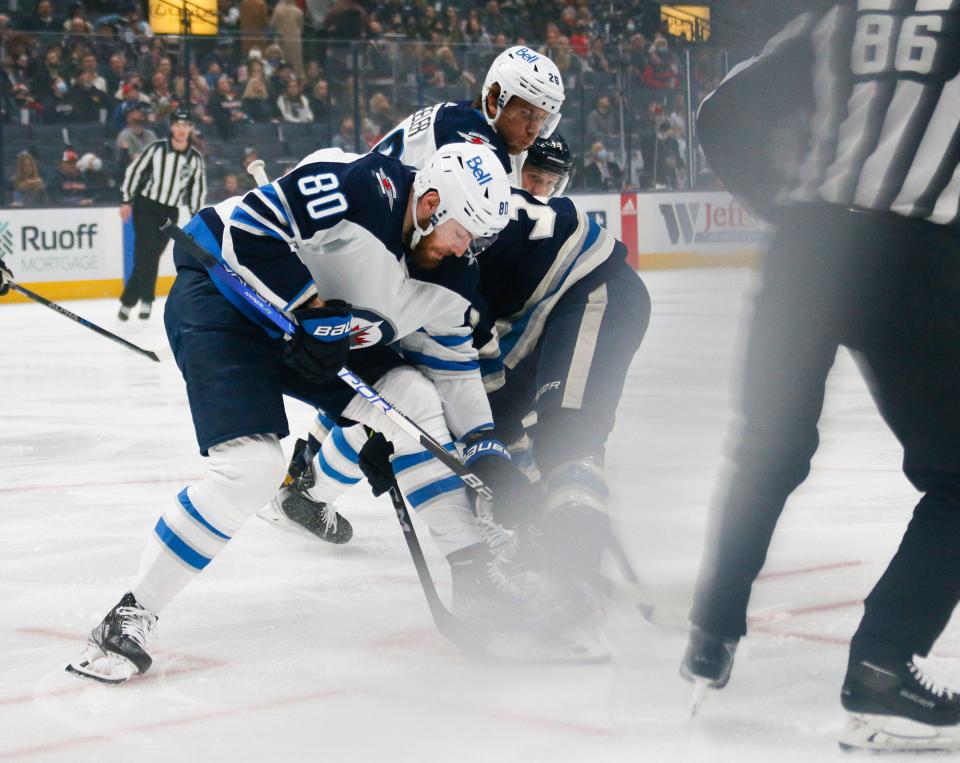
(339,330)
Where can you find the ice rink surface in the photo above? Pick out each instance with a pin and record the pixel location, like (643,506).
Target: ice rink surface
(289,649)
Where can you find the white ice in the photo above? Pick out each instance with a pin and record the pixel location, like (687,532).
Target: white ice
(289,649)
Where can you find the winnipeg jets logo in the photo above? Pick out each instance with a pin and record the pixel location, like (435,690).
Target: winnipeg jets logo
(369,328)
(364,334)
(386,187)
(475,138)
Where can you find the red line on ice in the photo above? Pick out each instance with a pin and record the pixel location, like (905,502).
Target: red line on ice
(808,570)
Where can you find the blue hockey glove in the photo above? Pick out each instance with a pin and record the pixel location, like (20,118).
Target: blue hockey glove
(320,346)
(513,495)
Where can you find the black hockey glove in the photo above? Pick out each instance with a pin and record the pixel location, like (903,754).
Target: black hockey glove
(6,276)
(375,463)
(320,346)
(489,459)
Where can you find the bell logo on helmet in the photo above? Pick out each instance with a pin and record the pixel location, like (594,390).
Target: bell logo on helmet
(476,164)
(527,55)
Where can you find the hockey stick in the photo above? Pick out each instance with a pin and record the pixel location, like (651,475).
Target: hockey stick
(450,626)
(82,321)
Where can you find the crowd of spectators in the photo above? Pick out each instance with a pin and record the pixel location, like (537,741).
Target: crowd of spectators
(79,80)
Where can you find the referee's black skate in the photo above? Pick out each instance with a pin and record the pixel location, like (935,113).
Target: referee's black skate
(896,707)
(116,650)
(292,508)
(706,663)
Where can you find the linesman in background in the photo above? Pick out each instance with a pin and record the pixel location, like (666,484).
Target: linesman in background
(866,255)
(166,174)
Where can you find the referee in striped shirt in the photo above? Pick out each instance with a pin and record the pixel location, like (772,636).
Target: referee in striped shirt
(866,255)
(166,174)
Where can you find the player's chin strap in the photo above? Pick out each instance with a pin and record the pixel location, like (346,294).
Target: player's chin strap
(419,232)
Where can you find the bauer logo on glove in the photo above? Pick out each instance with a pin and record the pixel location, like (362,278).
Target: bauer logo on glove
(328,329)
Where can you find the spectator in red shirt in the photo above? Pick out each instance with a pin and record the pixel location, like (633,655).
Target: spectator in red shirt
(658,74)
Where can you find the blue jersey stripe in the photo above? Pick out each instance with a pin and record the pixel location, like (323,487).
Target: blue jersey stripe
(346,450)
(440,365)
(333,474)
(270,192)
(451,341)
(179,546)
(402,463)
(192,511)
(432,490)
(240,215)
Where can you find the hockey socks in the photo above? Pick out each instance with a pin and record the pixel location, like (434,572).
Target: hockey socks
(193,529)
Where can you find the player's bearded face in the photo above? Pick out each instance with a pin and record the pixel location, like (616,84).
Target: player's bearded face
(447,239)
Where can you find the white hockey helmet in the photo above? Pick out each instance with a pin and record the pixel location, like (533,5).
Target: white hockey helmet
(473,189)
(521,72)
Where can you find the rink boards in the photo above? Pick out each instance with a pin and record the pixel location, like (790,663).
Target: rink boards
(84,252)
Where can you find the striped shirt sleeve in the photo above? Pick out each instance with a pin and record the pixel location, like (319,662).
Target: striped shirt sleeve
(198,185)
(136,173)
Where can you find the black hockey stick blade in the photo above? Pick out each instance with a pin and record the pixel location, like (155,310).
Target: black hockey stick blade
(468,637)
(83,321)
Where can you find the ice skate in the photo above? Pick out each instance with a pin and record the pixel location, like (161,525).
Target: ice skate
(292,508)
(897,707)
(145,310)
(115,651)
(706,663)
(484,594)
(124,313)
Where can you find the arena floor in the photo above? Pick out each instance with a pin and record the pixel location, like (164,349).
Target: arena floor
(289,649)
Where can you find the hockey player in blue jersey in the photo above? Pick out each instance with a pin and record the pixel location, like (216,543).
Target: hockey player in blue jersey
(521,99)
(331,243)
(560,316)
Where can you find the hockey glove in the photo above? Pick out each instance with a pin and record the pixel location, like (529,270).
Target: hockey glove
(318,349)
(6,276)
(489,459)
(375,463)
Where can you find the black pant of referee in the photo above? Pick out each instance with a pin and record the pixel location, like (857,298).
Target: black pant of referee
(148,245)
(886,287)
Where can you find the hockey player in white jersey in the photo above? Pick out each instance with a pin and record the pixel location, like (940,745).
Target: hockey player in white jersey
(330,243)
(521,99)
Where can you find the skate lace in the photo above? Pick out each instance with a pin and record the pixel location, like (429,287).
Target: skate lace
(936,689)
(506,582)
(330,516)
(137,623)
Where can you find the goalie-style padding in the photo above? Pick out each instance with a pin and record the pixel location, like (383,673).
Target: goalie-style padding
(243,475)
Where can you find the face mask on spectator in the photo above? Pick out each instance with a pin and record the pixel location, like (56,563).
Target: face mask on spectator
(60,87)
(662,49)
(603,155)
